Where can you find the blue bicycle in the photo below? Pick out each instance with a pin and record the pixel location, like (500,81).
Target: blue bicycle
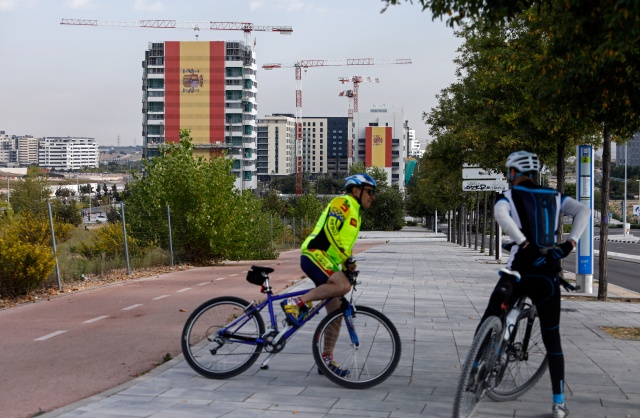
(224,336)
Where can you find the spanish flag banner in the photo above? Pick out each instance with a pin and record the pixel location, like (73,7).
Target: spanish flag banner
(378,146)
(195,90)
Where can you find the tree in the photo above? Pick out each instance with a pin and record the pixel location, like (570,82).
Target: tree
(210,220)
(386,212)
(587,68)
(31,194)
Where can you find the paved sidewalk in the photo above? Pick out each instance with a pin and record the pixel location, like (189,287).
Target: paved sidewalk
(433,291)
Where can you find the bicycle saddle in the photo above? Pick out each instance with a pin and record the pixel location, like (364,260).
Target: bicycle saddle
(260,269)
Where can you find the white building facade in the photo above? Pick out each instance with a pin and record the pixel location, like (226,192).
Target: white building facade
(68,153)
(381,142)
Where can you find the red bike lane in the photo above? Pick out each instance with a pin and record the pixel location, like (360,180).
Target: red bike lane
(74,346)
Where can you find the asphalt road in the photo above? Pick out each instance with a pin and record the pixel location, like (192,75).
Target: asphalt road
(619,272)
(59,351)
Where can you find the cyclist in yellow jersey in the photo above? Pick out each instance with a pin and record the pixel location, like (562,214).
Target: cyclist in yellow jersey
(326,253)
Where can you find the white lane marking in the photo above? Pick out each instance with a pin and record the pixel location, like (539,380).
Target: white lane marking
(231,275)
(53,334)
(183,290)
(97,318)
(160,297)
(202,284)
(220,278)
(128,308)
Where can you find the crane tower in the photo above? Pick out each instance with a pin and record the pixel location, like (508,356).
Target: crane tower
(304,64)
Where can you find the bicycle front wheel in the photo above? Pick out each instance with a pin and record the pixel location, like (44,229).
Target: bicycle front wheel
(219,338)
(365,346)
(478,367)
(523,361)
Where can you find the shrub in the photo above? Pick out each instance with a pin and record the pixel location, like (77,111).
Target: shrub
(26,257)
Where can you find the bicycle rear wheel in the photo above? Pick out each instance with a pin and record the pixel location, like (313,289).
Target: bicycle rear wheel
(219,339)
(477,371)
(367,353)
(521,367)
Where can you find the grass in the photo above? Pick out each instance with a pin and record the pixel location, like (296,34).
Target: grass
(623,333)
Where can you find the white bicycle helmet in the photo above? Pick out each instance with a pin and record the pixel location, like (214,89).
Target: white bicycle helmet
(523,161)
(359,180)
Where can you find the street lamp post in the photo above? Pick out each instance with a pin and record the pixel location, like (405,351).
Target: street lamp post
(624,201)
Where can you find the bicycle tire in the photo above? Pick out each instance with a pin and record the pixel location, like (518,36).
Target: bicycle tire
(372,361)
(521,371)
(476,372)
(213,356)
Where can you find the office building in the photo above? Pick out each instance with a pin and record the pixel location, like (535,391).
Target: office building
(209,88)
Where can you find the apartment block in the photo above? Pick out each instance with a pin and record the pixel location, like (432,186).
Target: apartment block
(208,88)
(382,137)
(8,150)
(276,153)
(27,150)
(68,153)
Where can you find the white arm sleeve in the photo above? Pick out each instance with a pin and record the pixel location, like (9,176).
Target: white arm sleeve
(501,210)
(581,215)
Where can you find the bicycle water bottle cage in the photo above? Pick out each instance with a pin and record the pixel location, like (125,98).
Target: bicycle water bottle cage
(257,275)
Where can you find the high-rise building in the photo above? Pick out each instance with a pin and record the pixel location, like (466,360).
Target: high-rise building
(27,150)
(276,146)
(208,88)
(68,153)
(381,143)
(8,150)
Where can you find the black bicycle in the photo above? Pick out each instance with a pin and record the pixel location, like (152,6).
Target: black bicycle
(507,356)
(224,336)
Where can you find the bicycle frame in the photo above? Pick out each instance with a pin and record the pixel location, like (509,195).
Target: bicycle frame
(229,332)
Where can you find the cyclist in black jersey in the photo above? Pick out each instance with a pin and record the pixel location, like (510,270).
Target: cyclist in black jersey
(530,215)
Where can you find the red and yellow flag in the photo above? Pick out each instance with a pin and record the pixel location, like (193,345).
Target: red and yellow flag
(195,90)
(378,146)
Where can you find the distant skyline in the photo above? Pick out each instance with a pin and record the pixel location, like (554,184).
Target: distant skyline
(87,81)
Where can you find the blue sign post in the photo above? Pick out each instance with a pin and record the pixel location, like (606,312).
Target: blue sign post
(584,192)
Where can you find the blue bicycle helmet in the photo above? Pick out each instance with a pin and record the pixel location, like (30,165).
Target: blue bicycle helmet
(359,180)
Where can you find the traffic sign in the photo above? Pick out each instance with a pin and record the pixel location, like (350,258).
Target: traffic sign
(481,173)
(484,185)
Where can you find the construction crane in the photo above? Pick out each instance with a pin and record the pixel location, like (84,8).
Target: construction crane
(352,95)
(304,64)
(246,27)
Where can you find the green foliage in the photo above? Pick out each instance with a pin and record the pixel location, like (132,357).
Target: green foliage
(287,184)
(330,184)
(210,221)
(26,258)
(386,212)
(30,194)
(108,242)
(70,214)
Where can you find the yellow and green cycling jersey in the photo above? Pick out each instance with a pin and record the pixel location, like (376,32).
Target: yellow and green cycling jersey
(335,234)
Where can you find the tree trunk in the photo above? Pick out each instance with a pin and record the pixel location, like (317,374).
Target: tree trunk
(604,213)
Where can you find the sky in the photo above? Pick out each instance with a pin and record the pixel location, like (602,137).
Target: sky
(60,80)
